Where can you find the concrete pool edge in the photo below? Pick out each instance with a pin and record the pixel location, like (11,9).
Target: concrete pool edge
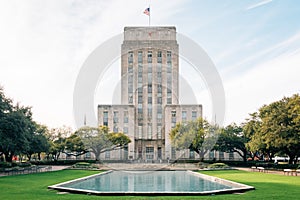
(239,188)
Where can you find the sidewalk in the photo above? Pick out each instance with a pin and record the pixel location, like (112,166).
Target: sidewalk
(42,168)
(268,171)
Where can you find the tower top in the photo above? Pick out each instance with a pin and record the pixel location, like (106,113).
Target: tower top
(150,33)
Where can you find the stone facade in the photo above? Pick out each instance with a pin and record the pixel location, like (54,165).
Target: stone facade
(149,96)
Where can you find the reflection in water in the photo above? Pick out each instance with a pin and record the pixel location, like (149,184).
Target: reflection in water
(147,181)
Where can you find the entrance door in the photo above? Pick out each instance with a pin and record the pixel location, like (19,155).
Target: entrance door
(149,153)
(140,154)
(158,152)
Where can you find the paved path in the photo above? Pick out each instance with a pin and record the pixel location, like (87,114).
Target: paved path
(265,171)
(51,168)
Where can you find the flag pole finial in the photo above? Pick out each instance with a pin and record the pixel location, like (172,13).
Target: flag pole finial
(147,12)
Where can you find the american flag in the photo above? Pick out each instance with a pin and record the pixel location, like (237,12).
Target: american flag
(147,11)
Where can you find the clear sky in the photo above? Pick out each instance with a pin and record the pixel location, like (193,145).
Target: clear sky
(255,45)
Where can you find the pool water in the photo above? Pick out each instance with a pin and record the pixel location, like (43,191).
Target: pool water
(150,183)
(147,181)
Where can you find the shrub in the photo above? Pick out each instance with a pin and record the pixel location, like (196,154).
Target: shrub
(84,165)
(218,166)
(5,165)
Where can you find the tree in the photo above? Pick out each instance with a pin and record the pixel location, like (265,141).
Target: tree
(16,129)
(57,138)
(232,138)
(99,140)
(279,128)
(5,108)
(74,146)
(198,136)
(38,141)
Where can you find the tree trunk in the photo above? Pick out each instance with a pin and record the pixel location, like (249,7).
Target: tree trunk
(8,157)
(292,157)
(97,156)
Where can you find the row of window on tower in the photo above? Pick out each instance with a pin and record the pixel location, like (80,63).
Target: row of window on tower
(150,55)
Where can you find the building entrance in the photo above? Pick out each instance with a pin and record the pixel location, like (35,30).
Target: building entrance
(149,153)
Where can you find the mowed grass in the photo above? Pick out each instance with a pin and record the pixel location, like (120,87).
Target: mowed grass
(34,186)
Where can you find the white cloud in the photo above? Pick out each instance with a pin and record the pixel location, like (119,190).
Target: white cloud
(258,4)
(265,83)
(286,46)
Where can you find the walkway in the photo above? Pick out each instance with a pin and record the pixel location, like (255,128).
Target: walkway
(39,169)
(265,171)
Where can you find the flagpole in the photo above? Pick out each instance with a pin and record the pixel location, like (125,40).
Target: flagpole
(149,14)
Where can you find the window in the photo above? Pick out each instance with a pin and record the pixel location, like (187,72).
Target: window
(159,57)
(173,118)
(130,68)
(173,113)
(150,68)
(140,131)
(149,100)
(130,88)
(194,115)
(159,109)
(221,155)
(159,88)
(140,67)
(116,119)
(149,56)
(149,88)
(149,110)
(105,118)
(231,156)
(130,78)
(149,77)
(149,153)
(149,131)
(159,100)
(183,116)
(169,97)
(159,73)
(158,131)
(130,98)
(130,57)
(140,108)
(88,155)
(140,79)
(169,68)
(169,56)
(107,154)
(173,153)
(211,155)
(116,129)
(140,56)
(126,116)
(192,154)
(140,98)
(125,130)
(159,152)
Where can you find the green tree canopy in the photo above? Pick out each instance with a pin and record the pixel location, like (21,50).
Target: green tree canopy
(99,140)
(277,128)
(232,138)
(198,136)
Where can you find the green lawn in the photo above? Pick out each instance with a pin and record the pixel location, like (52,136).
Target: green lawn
(34,186)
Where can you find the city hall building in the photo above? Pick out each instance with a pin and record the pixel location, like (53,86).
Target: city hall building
(149,96)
